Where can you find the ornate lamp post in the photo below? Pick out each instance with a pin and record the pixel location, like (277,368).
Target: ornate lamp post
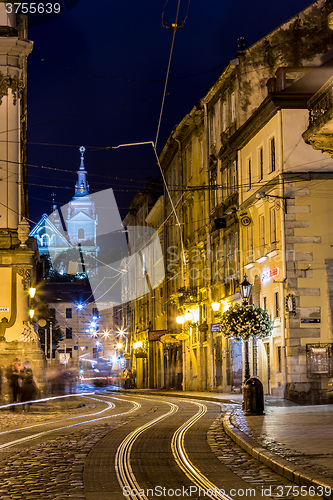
(245,291)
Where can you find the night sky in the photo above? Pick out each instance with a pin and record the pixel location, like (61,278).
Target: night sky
(96,78)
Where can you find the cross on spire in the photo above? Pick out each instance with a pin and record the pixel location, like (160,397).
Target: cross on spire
(82,150)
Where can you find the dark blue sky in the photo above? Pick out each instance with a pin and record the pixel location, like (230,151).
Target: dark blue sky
(96,77)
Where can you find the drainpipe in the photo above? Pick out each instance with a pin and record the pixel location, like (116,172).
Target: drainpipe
(284,269)
(209,247)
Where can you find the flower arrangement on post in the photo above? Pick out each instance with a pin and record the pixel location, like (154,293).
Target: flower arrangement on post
(243,322)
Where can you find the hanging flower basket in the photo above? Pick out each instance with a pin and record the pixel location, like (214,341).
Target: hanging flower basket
(243,322)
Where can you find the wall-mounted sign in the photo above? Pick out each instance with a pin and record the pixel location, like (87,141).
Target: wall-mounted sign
(319,360)
(245,218)
(156,334)
(310,320)
(4,309)
(267,274)
(215,328)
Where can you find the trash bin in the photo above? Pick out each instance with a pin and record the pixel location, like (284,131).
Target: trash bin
(253,397)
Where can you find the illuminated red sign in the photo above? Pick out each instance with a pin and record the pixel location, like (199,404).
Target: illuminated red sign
(269,273)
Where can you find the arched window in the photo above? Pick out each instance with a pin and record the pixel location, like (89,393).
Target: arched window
(80,234)
(45,240)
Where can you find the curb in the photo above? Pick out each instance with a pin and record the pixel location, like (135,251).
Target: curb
(286,469)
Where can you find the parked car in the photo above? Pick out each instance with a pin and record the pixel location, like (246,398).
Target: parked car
(330,388)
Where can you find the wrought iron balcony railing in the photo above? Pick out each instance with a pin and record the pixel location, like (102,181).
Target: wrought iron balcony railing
(321,101)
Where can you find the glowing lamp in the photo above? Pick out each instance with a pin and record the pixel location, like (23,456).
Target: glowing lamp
(215,306)
(188,316)
(119,345)
(32,292)
(31,313)
(180,320)
(137,345)
(245,289)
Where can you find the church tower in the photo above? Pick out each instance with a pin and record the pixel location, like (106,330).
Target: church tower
(17,251)
(82,219)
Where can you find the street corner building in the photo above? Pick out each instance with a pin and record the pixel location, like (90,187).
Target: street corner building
(249,179)
(18,252)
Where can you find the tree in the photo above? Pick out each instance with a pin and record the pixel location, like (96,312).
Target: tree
(243,322)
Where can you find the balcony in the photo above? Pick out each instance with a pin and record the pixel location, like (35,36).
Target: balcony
(319,134)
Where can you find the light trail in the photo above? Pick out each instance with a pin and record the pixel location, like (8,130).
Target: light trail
(109,407)
(122,461)
(183,461)
(44,433)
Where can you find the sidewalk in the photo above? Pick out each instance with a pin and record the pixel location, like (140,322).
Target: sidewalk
(295,441)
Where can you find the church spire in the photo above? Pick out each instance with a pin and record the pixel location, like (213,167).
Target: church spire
(81,187)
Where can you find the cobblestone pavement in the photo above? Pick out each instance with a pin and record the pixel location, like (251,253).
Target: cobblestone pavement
(244,465)
(319,462)
(53,468)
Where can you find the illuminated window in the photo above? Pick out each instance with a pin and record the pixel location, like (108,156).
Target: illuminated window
(45,241)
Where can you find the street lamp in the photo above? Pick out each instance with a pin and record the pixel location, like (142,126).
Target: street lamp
(245,291)
(216,306)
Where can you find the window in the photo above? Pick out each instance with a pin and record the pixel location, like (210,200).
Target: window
(272,214)
(250,243)
(276,304)
(272,154)
(235,177)
(68,312)
(262,234)
(264,303)
(80,234)
(224,116)
(233,107)
(69,334)
(95,311)
(201,156)
(261,163)
(249,173)
(279,359)
(45,241)
(189,161)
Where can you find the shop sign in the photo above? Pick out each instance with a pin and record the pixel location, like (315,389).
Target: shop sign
(4,309)
(156,334)
(215,328)
(310,320)
(267,274)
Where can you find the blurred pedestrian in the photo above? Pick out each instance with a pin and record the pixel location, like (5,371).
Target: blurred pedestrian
(14,376)
(127,378)
(28,390)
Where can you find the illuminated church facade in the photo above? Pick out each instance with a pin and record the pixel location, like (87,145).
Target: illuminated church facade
(69,226)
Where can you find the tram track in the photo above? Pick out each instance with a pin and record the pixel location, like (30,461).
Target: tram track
(86,419)
(124,472)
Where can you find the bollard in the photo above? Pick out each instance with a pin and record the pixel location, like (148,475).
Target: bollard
(253,397)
